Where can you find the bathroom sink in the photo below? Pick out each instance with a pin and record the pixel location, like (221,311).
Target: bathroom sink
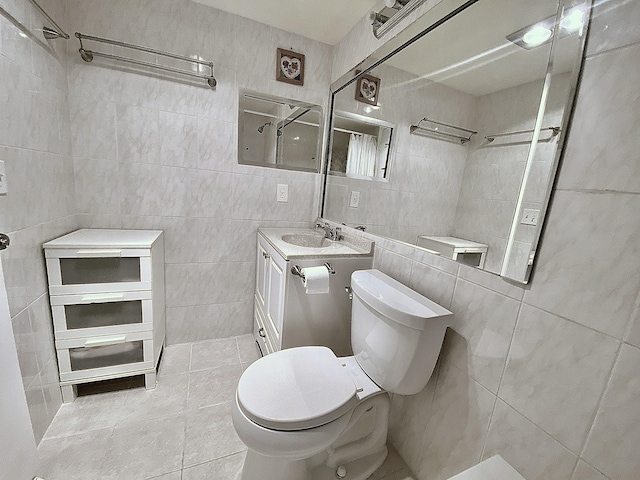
(308,240)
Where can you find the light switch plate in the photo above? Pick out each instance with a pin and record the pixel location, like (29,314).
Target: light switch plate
(282,195)
(3,179)
(530,216)
(354,199)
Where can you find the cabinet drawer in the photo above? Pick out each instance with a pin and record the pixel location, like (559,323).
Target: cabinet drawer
(103,356)
(89,315)
(87,271)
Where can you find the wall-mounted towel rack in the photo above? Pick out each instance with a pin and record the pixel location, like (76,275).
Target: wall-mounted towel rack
(87,56)
(554,131)
(47,32)
(424,131)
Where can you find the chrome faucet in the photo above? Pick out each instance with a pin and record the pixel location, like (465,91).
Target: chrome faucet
(330,232)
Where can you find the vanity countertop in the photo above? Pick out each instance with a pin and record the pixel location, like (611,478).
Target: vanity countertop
(356,247)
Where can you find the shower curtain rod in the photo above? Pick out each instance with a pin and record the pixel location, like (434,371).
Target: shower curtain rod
(87,56)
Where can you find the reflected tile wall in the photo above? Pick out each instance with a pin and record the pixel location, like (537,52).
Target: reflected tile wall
(35,138)
(425,174)
(158,152)
(545,374)
(493,171)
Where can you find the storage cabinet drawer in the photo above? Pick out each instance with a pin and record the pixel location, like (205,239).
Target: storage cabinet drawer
(89,315)
(104,271)
(104,356)
(78,271)
(83,358)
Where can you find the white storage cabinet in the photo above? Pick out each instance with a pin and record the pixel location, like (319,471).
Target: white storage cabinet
(106,289)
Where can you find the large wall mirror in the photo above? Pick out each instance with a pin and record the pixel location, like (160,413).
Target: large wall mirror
(479,94)
(279,132)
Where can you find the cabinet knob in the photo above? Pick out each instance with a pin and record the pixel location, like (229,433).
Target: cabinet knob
(266,255)
(262,333)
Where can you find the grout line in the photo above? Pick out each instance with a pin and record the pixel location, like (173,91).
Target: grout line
(600,399)
(572,321)
(613,49)
(504,368)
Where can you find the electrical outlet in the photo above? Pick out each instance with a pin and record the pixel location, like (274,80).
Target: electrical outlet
(3,179)
(354,200)
(282,195)
(530,217)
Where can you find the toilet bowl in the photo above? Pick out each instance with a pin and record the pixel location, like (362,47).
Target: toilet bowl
(306,414)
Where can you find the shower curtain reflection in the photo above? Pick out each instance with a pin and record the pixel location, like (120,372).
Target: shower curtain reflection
(361,155)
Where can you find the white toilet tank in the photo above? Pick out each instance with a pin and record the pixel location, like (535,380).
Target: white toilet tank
(396,333)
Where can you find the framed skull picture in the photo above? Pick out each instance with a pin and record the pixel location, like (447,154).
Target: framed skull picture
(290,67)
(368,89)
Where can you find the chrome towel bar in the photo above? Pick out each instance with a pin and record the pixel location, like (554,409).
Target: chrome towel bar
(88,55)
(554,131)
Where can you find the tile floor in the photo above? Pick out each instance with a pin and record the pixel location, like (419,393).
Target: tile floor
(182,430)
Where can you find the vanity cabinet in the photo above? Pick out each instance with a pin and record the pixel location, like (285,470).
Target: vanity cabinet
(106,290)
(270,293)
(284,315)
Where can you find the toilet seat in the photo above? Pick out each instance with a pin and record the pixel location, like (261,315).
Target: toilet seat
(296,389)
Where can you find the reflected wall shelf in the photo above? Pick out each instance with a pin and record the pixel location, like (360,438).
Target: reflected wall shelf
(451,132)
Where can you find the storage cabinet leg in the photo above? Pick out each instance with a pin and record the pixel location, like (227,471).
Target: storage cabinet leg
(150,381)
(69,393)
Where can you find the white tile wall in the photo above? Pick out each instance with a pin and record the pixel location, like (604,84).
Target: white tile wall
(162,152)
(35,146)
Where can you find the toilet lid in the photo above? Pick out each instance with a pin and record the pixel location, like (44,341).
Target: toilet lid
(296,389)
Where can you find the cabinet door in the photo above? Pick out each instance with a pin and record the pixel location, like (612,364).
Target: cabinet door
(262,278)
(276,293)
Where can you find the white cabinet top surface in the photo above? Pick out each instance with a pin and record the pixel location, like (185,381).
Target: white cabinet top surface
(455,242)
(102,238)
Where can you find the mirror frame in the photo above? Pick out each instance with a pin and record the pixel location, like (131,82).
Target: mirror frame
(576,74)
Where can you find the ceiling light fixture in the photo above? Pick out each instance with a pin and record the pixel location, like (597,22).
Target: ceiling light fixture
(398,9)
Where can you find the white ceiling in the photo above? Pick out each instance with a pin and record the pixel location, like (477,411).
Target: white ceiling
(327,21)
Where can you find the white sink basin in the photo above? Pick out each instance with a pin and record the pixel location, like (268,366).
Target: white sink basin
(308,240)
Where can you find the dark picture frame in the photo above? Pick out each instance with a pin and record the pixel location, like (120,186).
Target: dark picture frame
(290,67)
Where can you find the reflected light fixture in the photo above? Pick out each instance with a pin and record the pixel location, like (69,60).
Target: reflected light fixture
(537,35)
(573,20)
(541,32)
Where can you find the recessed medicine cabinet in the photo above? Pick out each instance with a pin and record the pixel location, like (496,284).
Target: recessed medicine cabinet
(278,132)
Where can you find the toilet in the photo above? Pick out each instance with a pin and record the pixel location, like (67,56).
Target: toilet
(305,414)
